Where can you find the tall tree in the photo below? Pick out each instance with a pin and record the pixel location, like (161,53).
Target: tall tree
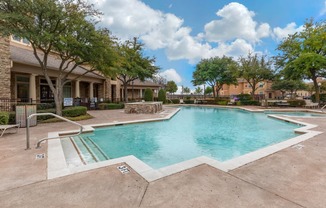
(198,90)
(186,90)
(133,64)
(171,87)
(303,54)
(291,86)
(64,26)
(215,72)
(255,69)
(208,90)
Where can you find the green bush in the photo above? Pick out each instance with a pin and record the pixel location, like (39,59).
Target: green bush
(243,97)
(74,111)
(222,102)
(175,101)
(248,102)
(12,117)
(162,96)
(42,118)
(44,106)
(148,95)
(296,103)
(4,118)
(189,101)
(110,106)
(321,96)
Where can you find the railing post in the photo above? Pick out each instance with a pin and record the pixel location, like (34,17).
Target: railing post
(27,134)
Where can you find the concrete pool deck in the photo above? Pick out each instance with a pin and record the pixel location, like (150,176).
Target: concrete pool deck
(293,177)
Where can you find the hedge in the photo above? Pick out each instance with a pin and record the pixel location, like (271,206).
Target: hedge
(4,118)
(189,101)
(162,96)
(222,102)
(74,111)
(175,101)
(321,96)
(110,106)
(296,103)
(44,106)
(248,102)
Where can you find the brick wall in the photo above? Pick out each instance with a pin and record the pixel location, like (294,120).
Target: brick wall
(5,64)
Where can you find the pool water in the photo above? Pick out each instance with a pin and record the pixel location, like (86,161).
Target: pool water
(297,114)
(221,134)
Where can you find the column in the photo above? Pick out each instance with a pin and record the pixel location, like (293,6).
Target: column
(32,87)
(140,93)
(91,89)
(77,89)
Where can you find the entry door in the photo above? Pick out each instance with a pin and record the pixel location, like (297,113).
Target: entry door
(46,93)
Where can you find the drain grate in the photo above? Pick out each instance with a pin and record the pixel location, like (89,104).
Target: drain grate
(40,156)
(123,169)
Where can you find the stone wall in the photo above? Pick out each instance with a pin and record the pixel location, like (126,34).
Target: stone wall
(143,107)
(5,65)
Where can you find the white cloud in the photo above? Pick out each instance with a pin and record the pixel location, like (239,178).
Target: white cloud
(171,75)
(323,11)
(281,33)
(236,22)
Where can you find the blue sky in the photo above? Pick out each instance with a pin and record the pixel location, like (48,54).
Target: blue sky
(181,32)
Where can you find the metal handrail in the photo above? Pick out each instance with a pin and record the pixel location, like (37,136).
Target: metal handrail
(46,138)
(322,109)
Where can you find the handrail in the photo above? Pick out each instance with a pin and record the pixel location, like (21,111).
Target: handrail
(322,109)
(46,138)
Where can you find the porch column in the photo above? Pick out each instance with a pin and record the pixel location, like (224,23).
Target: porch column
(32,87)
(77,89)
(91,88)
(140,93)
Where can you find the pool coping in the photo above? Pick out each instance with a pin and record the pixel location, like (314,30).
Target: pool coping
(57,166)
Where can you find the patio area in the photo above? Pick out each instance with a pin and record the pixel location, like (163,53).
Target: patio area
(293,177)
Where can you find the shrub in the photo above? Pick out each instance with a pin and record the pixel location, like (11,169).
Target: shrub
(4,118)
(175,101)
(321,96)
(296,103)
(110,106)
(12,117)
(222,102)
(243,97)
(42,118)
(248,102)
(74,111)
(148,95)
(162,96)
(189,101)
(44,106)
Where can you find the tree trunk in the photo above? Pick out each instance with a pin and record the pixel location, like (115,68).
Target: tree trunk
(214,93)
(58,98)
(125,91)
(316,89)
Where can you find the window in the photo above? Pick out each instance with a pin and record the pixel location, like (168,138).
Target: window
(261,84)
(22,88)
(67,90)
(20,40)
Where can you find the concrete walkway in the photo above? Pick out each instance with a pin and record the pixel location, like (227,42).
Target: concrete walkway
(294,177)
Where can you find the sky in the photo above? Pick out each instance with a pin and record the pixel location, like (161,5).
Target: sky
(179,33)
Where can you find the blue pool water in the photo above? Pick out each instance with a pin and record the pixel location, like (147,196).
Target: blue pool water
(218,133)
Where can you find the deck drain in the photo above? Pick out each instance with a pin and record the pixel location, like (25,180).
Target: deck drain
(40,156)
(123,169)
(298,146)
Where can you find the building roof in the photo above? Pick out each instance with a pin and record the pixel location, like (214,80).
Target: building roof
(26,56)
(148,83)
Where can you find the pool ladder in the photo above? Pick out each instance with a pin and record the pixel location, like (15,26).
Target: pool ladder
(46,138)
(322,108)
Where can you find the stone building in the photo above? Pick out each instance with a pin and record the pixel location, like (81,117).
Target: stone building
(22,79)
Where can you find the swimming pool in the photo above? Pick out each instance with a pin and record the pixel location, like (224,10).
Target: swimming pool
(298,114)
(221,134)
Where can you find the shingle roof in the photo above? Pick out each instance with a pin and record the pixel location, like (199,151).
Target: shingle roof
(25,56)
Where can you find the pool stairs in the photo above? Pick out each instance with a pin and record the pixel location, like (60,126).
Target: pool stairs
(81,151)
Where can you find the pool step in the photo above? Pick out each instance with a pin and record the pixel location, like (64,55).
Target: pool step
(98,152)
(84,150)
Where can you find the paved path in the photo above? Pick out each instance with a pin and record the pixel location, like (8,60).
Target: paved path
(294,177)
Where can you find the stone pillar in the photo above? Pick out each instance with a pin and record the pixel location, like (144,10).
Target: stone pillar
(5,67)
(118,90)
(91,89)
(32,87)
(107,89)
(77,89)
(140,93)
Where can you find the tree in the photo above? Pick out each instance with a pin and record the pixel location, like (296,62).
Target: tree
(215,72)
(186,90)
(198,90)
(304,54)
(133,65)
(255,69)
(162,95)
(291,86)
(148,94)
(171,87)
(66,27)
(208,90)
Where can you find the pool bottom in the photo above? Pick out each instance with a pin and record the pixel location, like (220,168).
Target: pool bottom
(57,165)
